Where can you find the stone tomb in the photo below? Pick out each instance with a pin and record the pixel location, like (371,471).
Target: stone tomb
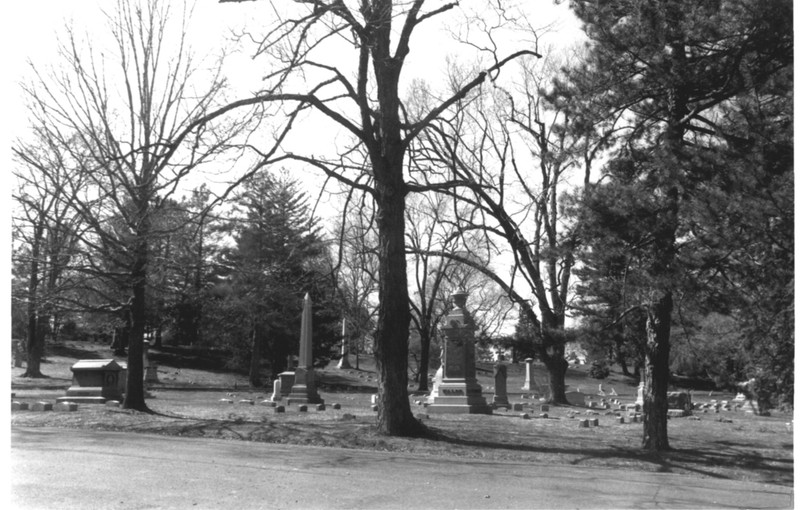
(459,390)
(94,381)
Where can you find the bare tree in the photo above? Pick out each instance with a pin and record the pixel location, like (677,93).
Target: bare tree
(137,118)
(45,231)
(378,34)
(512,149)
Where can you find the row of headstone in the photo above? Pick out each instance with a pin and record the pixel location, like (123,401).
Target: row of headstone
(44,406)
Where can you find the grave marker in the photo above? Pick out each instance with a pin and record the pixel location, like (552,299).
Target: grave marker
(528,374)
(459,391)
(500,398)
(304,389)
(94,381)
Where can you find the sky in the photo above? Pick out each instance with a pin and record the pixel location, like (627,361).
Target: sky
(31,27)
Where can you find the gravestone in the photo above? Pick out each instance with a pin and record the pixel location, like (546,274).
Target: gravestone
(276,391)
(344,362)
(150,369)
(286,380)
(528,374)
(459,391)
(16,353)
(304,389)
(437,381)
(640,394)
(94,381)
(500,398)
(679,400)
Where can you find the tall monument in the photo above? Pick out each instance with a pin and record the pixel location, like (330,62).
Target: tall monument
(304,389)
(344,362)
(459,390)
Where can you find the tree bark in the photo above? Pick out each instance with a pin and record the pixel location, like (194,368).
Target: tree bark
(391,334)
(134,393)
(656,374)
(34,346)
(556,370)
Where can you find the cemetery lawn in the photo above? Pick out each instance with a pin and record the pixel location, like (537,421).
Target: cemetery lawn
(188,402)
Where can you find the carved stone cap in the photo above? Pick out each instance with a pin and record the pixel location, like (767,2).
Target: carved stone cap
(459,317)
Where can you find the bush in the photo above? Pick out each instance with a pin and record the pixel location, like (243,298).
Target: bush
(599,370)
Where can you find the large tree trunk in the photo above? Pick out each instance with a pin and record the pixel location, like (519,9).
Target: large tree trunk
(556,370)
(391,334)
(134,393)
(35,340)
(656,374)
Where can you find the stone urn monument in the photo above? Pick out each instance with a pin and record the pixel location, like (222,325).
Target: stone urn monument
(458,391)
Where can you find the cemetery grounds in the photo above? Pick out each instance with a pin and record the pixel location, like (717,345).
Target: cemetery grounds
(197,397)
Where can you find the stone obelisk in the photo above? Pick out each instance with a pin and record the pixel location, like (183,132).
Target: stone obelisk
(304,389)
(344,363)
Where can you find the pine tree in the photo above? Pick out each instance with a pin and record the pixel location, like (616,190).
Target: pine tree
(670,65)
(276,258)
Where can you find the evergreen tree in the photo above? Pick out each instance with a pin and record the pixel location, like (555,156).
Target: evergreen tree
(277,257)
(671,66)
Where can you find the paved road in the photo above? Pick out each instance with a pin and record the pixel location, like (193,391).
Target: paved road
(64,469)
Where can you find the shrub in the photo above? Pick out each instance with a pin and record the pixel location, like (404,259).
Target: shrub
(599,370)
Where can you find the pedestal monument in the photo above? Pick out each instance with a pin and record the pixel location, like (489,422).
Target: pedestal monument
(458,391)
(304,388)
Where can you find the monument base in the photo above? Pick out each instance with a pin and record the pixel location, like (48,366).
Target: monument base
(458,397)
(304,390)
(501,402)
(83,400)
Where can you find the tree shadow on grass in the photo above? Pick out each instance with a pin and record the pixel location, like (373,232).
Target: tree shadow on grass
(72,351)
(704,461)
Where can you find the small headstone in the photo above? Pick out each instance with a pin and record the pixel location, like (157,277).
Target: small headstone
(525,416)
(422,416)
(374,399)
(337,406)
(226,401)
(15,406)
(348,416)
(21,406)
(302,408)
(66,407)
(246,401)
(320,407)
(276,391)
(595,422)
(375,407)
(621,419)
(280,409)
(543,415)
(517,407)
(545,408)
(112,403)
(268,403)
(584,424)
(640,394)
